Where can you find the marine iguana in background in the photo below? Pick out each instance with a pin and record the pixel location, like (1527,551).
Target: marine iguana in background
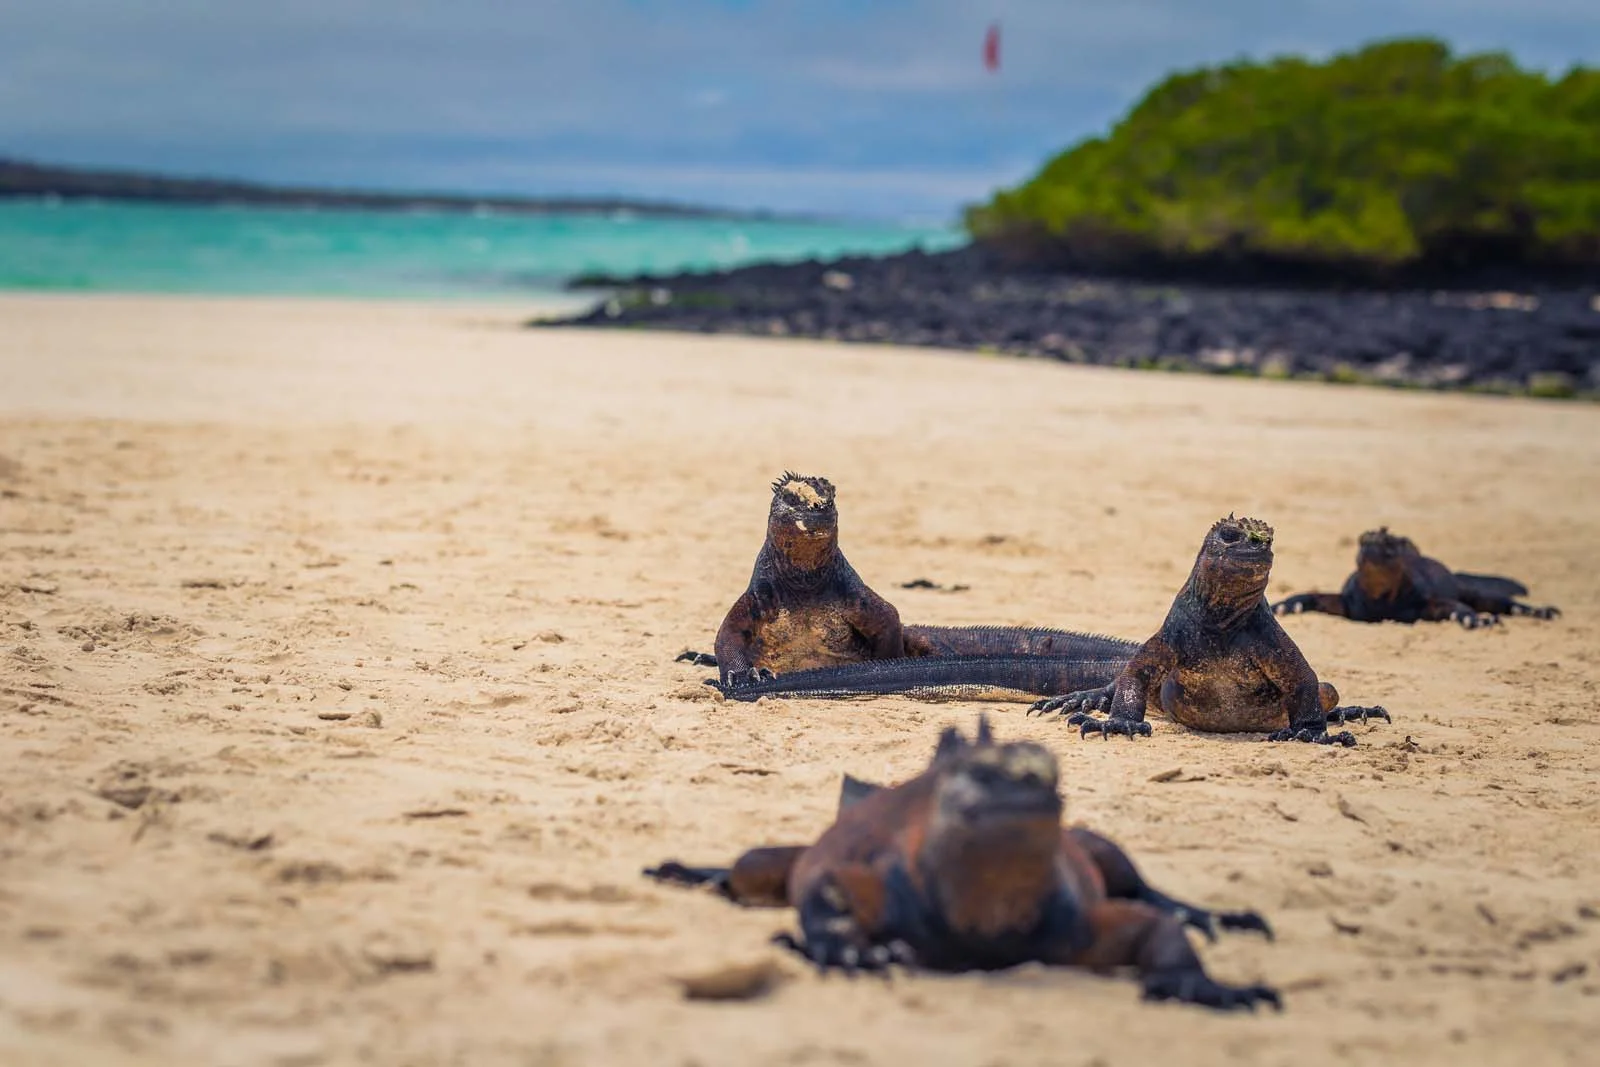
(967,867)
(1220,662)
(806,607)
(1394,581)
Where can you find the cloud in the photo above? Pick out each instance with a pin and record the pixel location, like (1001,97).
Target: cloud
(480,93)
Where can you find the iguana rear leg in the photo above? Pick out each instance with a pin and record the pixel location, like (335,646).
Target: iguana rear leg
(1498,596)
(1123,881)
(674,873)
(698,659)
(759,878)
(1133,934)
(1492,606)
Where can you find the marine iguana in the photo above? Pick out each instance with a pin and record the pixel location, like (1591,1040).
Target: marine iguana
(967,867)
(1220,662)
(806,607)
(1393,580)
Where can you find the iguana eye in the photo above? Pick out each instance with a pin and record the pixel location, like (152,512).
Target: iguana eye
(1229,535)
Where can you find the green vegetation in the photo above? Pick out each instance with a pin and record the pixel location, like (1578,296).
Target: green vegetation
(1396,156)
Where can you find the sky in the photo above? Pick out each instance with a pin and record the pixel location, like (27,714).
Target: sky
(841,107)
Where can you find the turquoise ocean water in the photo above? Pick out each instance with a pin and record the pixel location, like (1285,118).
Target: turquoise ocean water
(124,247)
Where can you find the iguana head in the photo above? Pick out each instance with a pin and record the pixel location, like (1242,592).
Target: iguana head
(1234,564)
(803,523)
(984,783)
(990,854)
(1381,546)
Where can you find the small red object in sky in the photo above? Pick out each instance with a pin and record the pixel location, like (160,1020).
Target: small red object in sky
(991,47)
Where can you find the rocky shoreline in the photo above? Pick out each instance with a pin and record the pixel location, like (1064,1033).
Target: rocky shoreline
(1542,341)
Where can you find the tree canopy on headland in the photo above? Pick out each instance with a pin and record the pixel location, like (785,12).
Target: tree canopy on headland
(1397,159)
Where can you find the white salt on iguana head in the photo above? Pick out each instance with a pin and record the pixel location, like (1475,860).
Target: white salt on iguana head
(803,491)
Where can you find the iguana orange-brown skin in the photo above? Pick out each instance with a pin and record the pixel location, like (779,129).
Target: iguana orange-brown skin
(1220,662)
(1394,581)
(806,607)
(967,867)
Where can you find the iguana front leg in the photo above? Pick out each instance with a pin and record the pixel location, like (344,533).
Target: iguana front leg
(878,623)
(1306,704)
(1325,603)
(1082,700)
(737,646)
(840,919)
(1439,609)
(1125,699)
(1125,702)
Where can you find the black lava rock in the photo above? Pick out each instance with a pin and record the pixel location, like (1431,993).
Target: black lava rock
(1540,340)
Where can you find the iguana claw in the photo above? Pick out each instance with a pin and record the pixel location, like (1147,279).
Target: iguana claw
(1340,716)
(748,676)
(1471,620)
(1197,987)
(831,953)
(1343,737)
(1108,726)
(1083,700)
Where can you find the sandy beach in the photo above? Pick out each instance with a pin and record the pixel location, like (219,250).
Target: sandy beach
(338,710)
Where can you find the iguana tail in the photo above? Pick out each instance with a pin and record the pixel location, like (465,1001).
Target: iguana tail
(1491,585)
(1007,678)
(1013,641)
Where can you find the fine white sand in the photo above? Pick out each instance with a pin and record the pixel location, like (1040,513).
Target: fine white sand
(338,711)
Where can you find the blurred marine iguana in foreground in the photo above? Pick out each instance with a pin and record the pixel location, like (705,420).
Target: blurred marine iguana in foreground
(968,867)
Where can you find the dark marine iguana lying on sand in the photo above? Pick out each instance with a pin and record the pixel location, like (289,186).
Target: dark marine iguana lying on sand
(1394,581)
(806,607)
(1220,662)
(967,867)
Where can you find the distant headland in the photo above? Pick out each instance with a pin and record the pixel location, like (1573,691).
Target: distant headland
(21,178)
